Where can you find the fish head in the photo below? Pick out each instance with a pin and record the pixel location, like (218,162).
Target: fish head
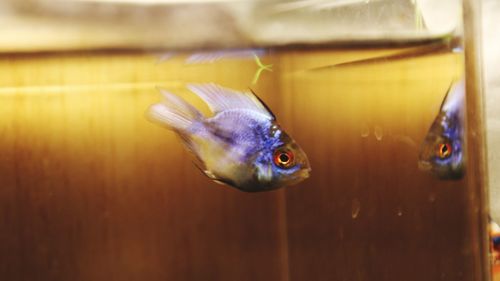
(283,163)
(441,153)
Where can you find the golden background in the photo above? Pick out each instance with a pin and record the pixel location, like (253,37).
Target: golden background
(90,190)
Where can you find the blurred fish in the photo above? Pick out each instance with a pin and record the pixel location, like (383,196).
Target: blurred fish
(441,153)
(210,57)
(241,145)
(494,233)
(214,56)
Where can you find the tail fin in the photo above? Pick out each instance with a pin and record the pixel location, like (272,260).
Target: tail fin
(173,112)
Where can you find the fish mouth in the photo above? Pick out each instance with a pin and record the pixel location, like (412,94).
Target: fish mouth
(424,165)
(305,173)
(300,176)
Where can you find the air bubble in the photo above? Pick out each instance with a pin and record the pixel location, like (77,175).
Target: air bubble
(379,133)
(365,131)
(356,207)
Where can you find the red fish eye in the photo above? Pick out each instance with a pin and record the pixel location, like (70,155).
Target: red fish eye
(283,158)
(444,150)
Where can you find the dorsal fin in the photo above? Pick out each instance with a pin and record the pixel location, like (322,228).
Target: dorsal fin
(454,97)
(446,96)
(264,104)
(220,99)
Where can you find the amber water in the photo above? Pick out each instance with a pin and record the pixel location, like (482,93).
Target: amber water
(90,190)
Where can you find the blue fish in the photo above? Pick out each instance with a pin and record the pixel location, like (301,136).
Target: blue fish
(494,233)
(442,152)
(241,145)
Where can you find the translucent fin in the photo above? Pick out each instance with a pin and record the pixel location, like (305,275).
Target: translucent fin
(454,98)
(213,56)
(405,139)
(220,99)
(173,112)
(163,57)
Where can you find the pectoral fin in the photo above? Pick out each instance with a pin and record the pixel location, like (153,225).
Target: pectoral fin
(264,172)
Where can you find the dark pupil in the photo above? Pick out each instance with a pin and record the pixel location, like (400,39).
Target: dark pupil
(284,158)
(444,149)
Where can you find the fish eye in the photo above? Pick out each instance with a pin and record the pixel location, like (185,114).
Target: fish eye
(283,158)
(444,150)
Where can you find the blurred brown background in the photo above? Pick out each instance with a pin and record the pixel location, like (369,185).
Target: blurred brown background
(92,191)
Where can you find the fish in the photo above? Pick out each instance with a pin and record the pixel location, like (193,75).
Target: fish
(240,145)
(494,233)
(206,57)
(442,151)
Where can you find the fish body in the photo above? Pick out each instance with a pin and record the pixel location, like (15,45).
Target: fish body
(442,152)
(494,232)
(241,145)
